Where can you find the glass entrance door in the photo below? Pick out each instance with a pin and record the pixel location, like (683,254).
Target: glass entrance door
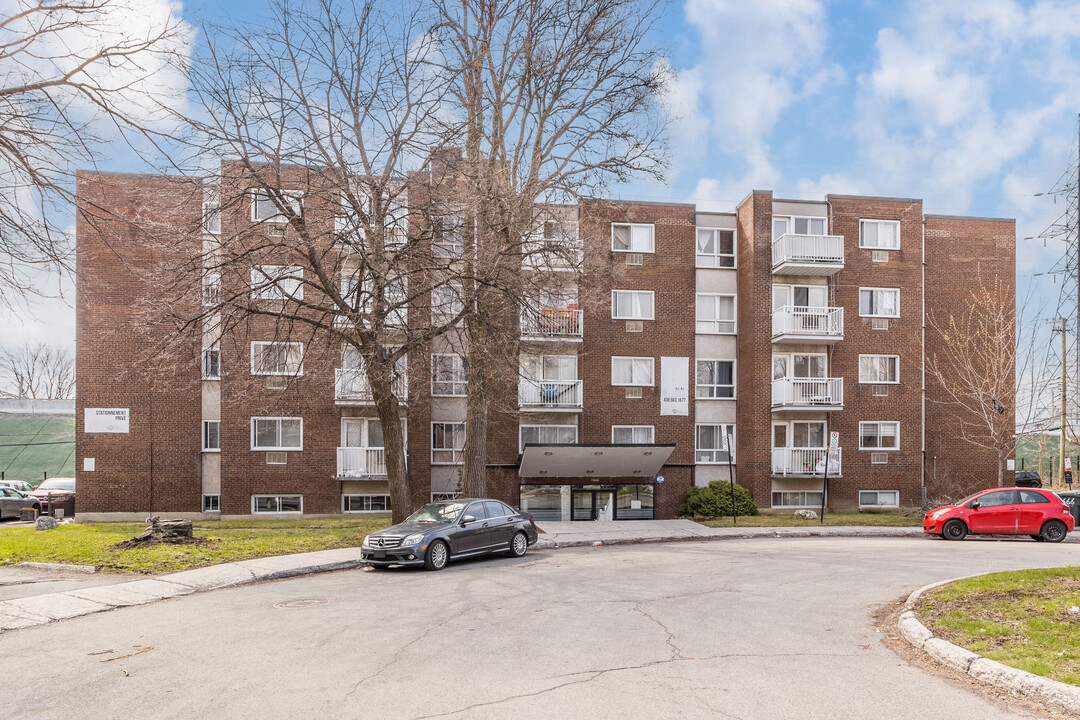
(594,504)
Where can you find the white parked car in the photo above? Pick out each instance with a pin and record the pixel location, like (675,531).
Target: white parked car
(20,485)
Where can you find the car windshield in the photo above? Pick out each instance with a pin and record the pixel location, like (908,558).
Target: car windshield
(58,484)
(437,512)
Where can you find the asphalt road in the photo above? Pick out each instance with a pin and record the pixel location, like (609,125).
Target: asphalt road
(742,629)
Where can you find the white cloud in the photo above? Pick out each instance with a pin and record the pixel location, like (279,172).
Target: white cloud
(757,60)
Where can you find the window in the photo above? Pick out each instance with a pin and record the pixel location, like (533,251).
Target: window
(448,376)
(879,234)
(440,496)
(715,313)
(879,498)
(558,368)
(447,442)
(547,435)
(446,302)
(446,238)
(277,282)
(211,289)
(995,499)
(632,238)
(879,302)
(632,371)
(263,208)
(879,369)
(1030,497)
(709,443)
(632,434)
(879,436)
(211,364)
(277,433)
(715,379)
(796,498)
(632,304)
(277,358)
(211,215)
(211,436)
(798,226)
(715,248)
(277,503)
(365,503)
(800,297)
(211,503)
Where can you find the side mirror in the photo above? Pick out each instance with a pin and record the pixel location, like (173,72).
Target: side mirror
(976,505)
(467,519)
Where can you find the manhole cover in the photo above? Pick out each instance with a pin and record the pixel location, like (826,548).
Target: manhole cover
(301,603)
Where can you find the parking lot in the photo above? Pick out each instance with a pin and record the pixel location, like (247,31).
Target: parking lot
(758,628)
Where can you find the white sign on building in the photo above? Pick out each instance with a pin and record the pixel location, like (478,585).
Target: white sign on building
(105,420)
(675,386)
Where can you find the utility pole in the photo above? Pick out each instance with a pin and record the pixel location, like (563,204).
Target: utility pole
(1064,369)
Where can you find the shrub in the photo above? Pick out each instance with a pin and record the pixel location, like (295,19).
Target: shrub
(715,500)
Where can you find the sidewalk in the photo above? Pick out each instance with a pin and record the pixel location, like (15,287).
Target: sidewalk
(577,534)
(22,612)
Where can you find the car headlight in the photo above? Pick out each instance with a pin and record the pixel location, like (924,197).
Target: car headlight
(938,513)
(413,539)
(367,541)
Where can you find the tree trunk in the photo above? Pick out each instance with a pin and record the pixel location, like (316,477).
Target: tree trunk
(474,472)
(1001,470)
(389,412)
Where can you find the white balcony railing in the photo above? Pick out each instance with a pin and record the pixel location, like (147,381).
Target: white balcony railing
(551,323)
(805,462)
(813,393)
(823,323)
(549,394)
(808,250)
(553,254)
(361,462)
(351,386)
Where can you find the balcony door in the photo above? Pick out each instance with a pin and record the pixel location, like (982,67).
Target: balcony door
(800,297)
(361,433)
(800,366)
(549,367)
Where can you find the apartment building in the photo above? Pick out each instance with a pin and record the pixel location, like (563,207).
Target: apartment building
(702,346)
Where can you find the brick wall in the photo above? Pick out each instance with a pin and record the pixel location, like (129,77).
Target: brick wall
(133,232)
(962,254)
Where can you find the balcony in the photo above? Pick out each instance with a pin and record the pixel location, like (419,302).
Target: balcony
(360,462)
(351,387)
(807,394)
(558,254)
(805,462)
(551,324)
(808,254)
(541,395)
(791,324)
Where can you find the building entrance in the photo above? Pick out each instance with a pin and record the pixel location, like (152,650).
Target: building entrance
(594,504)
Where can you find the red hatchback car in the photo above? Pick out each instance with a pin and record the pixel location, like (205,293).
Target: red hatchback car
(1004,511)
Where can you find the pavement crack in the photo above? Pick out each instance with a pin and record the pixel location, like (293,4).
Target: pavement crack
(513,697)
(399,655)
(676,652)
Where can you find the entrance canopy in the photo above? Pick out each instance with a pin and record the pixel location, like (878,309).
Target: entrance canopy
(593,461)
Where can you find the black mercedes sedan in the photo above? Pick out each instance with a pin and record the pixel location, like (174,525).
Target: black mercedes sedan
(448,530)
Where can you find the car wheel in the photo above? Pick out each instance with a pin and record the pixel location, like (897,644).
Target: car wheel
(954,530)
(1038,538)
(437,555)
(519,544)
(1054,531)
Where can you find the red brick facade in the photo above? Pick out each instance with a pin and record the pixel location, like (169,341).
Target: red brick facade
(121,263)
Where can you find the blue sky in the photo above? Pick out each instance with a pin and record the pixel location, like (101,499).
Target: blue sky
(971,106)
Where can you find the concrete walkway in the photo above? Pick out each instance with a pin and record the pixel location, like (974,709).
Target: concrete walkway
(21,612)
(576,534)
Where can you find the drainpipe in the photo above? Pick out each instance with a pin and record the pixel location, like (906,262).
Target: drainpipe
(922,461)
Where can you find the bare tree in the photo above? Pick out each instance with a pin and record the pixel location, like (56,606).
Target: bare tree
(40,372)
(989,371)
(551,100)
(324,118)
(68,70)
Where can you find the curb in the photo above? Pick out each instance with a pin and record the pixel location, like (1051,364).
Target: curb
(738,534)
(1058,695)
(37,610)
(59,566)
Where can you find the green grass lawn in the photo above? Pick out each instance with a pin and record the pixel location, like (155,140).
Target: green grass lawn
(22,460)
(91,544)
(1022,619)
(879,519)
